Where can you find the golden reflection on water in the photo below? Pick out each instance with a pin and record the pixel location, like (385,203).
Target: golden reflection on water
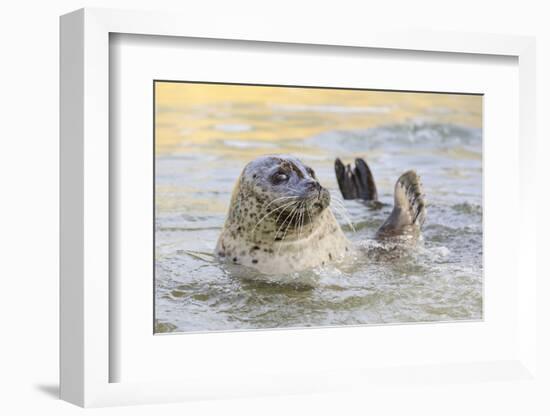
(189,115)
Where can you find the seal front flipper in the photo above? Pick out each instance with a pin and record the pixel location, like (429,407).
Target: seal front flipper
(357,182)
(409,210)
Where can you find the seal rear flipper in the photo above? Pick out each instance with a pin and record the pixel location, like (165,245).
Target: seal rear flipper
(357,182)
(409,211)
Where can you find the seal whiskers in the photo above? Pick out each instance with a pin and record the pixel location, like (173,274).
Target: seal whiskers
(274,210)
(341,210)
(289,219)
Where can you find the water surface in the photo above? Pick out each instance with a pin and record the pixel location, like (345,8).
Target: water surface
(205,134)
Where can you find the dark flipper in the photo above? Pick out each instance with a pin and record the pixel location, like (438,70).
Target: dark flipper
(409,210)
(357,182)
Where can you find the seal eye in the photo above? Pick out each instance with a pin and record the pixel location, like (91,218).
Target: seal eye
(280,177)
(310,172)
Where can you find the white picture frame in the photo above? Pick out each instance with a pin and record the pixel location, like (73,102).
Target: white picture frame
(86,356)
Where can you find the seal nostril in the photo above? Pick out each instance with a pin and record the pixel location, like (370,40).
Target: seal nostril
(313,185)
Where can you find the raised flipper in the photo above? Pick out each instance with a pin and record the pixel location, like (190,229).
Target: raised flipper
(357,182)
(409,210)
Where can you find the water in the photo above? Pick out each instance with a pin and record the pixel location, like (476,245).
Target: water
(201,152)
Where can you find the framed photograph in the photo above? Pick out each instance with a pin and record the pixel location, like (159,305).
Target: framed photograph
(265,212)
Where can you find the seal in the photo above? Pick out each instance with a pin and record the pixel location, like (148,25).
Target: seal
(279,220)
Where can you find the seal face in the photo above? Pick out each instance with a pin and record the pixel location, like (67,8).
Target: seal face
(279,220)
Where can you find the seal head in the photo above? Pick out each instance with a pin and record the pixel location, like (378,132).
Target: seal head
(279,220)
